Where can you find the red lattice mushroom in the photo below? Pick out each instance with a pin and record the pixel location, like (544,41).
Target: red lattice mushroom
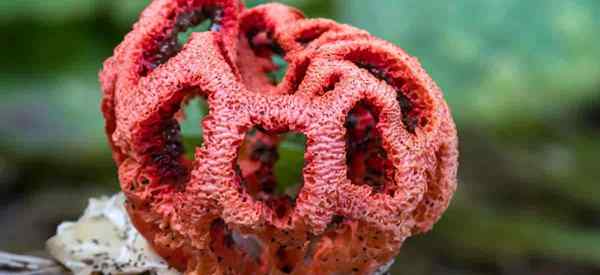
(381,146)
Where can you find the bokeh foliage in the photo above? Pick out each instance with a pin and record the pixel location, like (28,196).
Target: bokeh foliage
(521,77)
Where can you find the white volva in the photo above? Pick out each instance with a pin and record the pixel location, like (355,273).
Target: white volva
(104,240)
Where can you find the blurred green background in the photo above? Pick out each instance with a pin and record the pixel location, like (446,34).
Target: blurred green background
(522,78)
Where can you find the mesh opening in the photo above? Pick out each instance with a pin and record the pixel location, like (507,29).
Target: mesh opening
(197,20)
(412,111)
(279,70)
(190,119)
(270,166)
(365,156)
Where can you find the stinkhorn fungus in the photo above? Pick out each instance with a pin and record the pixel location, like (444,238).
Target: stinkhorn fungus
(381,146)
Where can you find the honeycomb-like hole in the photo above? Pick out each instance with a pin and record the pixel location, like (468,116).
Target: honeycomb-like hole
(166,155)
(366,159)
(190,119)
(172,141)
(270,166)
(277,74)
(184,36)
(262,43)
(412,110)
(264,46)
(184,24)
(288,170)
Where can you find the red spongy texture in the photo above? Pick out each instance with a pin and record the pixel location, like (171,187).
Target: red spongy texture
(381,147)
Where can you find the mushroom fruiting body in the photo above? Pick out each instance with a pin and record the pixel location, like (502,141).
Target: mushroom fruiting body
(381,147)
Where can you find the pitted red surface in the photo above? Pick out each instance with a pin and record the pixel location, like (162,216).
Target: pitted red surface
(381,146)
